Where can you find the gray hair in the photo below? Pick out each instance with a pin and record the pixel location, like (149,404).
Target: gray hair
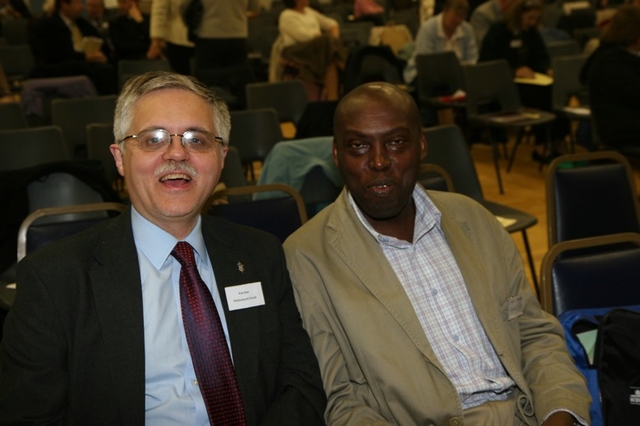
(138,86)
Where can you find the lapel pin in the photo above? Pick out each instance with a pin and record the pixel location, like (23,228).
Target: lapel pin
(240,267)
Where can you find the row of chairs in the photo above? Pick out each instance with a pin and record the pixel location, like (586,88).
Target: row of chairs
(440,75)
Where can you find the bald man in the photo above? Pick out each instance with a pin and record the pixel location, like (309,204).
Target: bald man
(416,302)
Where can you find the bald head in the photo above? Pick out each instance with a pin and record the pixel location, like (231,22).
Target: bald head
(357,100)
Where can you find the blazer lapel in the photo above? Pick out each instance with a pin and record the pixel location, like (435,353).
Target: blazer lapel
(115,280)
(354,243)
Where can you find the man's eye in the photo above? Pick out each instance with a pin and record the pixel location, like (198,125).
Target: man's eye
(154,140)
(193,139)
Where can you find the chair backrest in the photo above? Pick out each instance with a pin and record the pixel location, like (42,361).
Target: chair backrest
(17,60)
(439,74)
(560,48)
(73,116)
(447,148)
(602,278)
(128,68)
(279,216)
(15,31)
(12,116)
(254,132)
(233,175)
(355,34)
(36,232)
(318,191)
(288,98)
(590,194)
(260,39)
(371,63)
(435,177)
(99,138)
(566,79)
(21,148)
(488,82)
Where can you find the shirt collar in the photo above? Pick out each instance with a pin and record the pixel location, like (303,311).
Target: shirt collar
(156,243)
(427,217)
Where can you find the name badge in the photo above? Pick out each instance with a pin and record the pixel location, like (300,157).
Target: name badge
(244,296)
(516,43)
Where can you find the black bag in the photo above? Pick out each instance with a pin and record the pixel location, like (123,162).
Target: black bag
(192,17)
(617,357)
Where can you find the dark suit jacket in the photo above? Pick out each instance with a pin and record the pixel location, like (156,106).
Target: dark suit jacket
(52,42)
(73,348)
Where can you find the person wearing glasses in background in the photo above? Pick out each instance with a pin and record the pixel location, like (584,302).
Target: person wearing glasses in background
(106,327)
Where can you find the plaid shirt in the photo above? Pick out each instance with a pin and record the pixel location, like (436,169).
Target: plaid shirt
(435,286)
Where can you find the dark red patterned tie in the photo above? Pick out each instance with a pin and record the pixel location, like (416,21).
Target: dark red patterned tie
(207,344)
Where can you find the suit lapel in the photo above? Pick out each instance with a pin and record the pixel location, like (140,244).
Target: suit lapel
(115,281)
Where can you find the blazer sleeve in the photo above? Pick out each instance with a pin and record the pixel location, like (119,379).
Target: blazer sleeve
(301,399)
(343,405)
(34,373)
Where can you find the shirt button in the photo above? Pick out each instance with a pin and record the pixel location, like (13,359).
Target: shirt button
(434,292)
(195,382)
(456,338)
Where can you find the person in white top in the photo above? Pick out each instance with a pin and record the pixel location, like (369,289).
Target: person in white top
(299,24)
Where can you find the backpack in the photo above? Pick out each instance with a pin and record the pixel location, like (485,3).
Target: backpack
(618,363)
(606,351)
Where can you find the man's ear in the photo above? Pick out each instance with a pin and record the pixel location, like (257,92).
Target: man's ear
(423,145)
(116,151)
(334,152)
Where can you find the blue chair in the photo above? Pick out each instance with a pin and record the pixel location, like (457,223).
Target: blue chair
(280,216)
(608,275)
(590,194)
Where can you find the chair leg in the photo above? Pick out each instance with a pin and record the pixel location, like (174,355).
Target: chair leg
(531,263)
(515,148)
(496,163)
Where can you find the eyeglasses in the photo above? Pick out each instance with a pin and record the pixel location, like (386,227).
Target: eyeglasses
(159,139)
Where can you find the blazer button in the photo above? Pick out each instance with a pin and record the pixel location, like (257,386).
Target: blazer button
(455,421)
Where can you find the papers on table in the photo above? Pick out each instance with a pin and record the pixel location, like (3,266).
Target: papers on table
(514,116)
(586,111)
(538,80)
(506,221)
(91,44)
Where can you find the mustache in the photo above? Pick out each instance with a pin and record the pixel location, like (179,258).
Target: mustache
(172,166)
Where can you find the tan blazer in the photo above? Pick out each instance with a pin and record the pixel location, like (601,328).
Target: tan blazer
(376,362)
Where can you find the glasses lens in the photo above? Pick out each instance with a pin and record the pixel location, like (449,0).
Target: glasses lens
(153,140)
(198,141)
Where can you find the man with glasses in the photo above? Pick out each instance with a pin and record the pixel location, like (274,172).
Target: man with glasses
(161,315)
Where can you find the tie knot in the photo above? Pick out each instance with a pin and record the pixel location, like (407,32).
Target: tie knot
(183,252)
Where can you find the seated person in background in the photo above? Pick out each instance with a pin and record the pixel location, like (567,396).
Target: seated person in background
(518,41)
(416,302)
(445,31)
(311,42)
(58,48)
(487,14)
(368,10)
(612,74)
(97,17)
(160,316)
(130,31)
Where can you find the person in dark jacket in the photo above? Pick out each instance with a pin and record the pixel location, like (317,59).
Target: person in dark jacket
(612,74)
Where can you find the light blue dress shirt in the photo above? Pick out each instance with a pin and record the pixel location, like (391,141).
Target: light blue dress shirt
(172,395)
(431,39)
